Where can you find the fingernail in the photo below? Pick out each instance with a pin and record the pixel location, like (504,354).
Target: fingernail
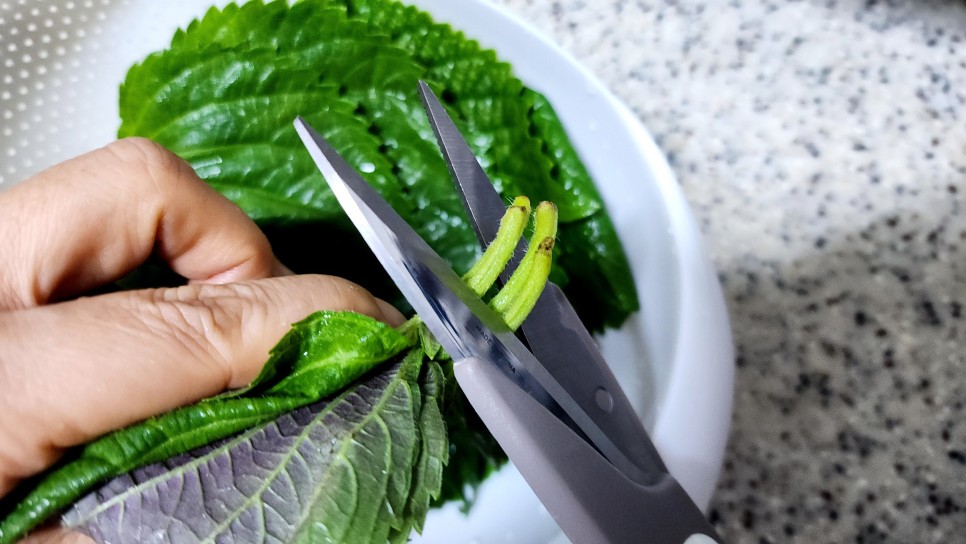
(390,314)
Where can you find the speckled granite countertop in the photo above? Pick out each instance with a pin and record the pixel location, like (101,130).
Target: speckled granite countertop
(822,145)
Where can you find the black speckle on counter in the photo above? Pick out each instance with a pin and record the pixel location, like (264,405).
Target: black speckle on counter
(931,317)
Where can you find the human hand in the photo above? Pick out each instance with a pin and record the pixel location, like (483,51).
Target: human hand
(72,369)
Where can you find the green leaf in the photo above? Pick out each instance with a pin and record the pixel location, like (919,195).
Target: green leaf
(224,94)
(433,454)
(321,355)
(327,351)
(340,470)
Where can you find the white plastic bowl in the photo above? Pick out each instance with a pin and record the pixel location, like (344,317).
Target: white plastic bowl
(675,358)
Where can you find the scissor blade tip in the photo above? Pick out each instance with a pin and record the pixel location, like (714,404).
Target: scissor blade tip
(430,101)
(309,136)
(301,126)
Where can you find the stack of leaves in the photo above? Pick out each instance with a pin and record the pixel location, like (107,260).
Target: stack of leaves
(224,94)
(342,435)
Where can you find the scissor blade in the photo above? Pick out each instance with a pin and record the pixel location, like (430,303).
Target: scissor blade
(482,202)
(397,246)
(590,498)
(462,323)
(554,332)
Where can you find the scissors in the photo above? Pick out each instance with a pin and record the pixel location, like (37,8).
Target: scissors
(552,403)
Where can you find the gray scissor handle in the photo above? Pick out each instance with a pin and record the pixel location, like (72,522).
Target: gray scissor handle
(591,501)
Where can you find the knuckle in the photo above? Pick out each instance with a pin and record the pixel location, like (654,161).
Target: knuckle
(147,157)
(225,327)
(205,320)
(137,150)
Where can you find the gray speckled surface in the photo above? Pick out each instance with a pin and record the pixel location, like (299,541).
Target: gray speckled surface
(822,146)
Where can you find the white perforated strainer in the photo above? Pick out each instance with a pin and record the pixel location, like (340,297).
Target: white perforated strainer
(61,62)
(45,87)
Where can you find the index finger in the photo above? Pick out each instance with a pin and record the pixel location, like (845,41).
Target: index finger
(93,219)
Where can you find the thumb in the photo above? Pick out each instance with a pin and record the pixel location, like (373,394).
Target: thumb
(78,369)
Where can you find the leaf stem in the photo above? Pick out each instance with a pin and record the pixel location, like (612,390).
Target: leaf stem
(520,293)
(536,280)
(484,273)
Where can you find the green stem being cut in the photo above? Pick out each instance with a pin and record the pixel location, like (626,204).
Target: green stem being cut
(484,273)
(516,299)
(537,276)
(520,293)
